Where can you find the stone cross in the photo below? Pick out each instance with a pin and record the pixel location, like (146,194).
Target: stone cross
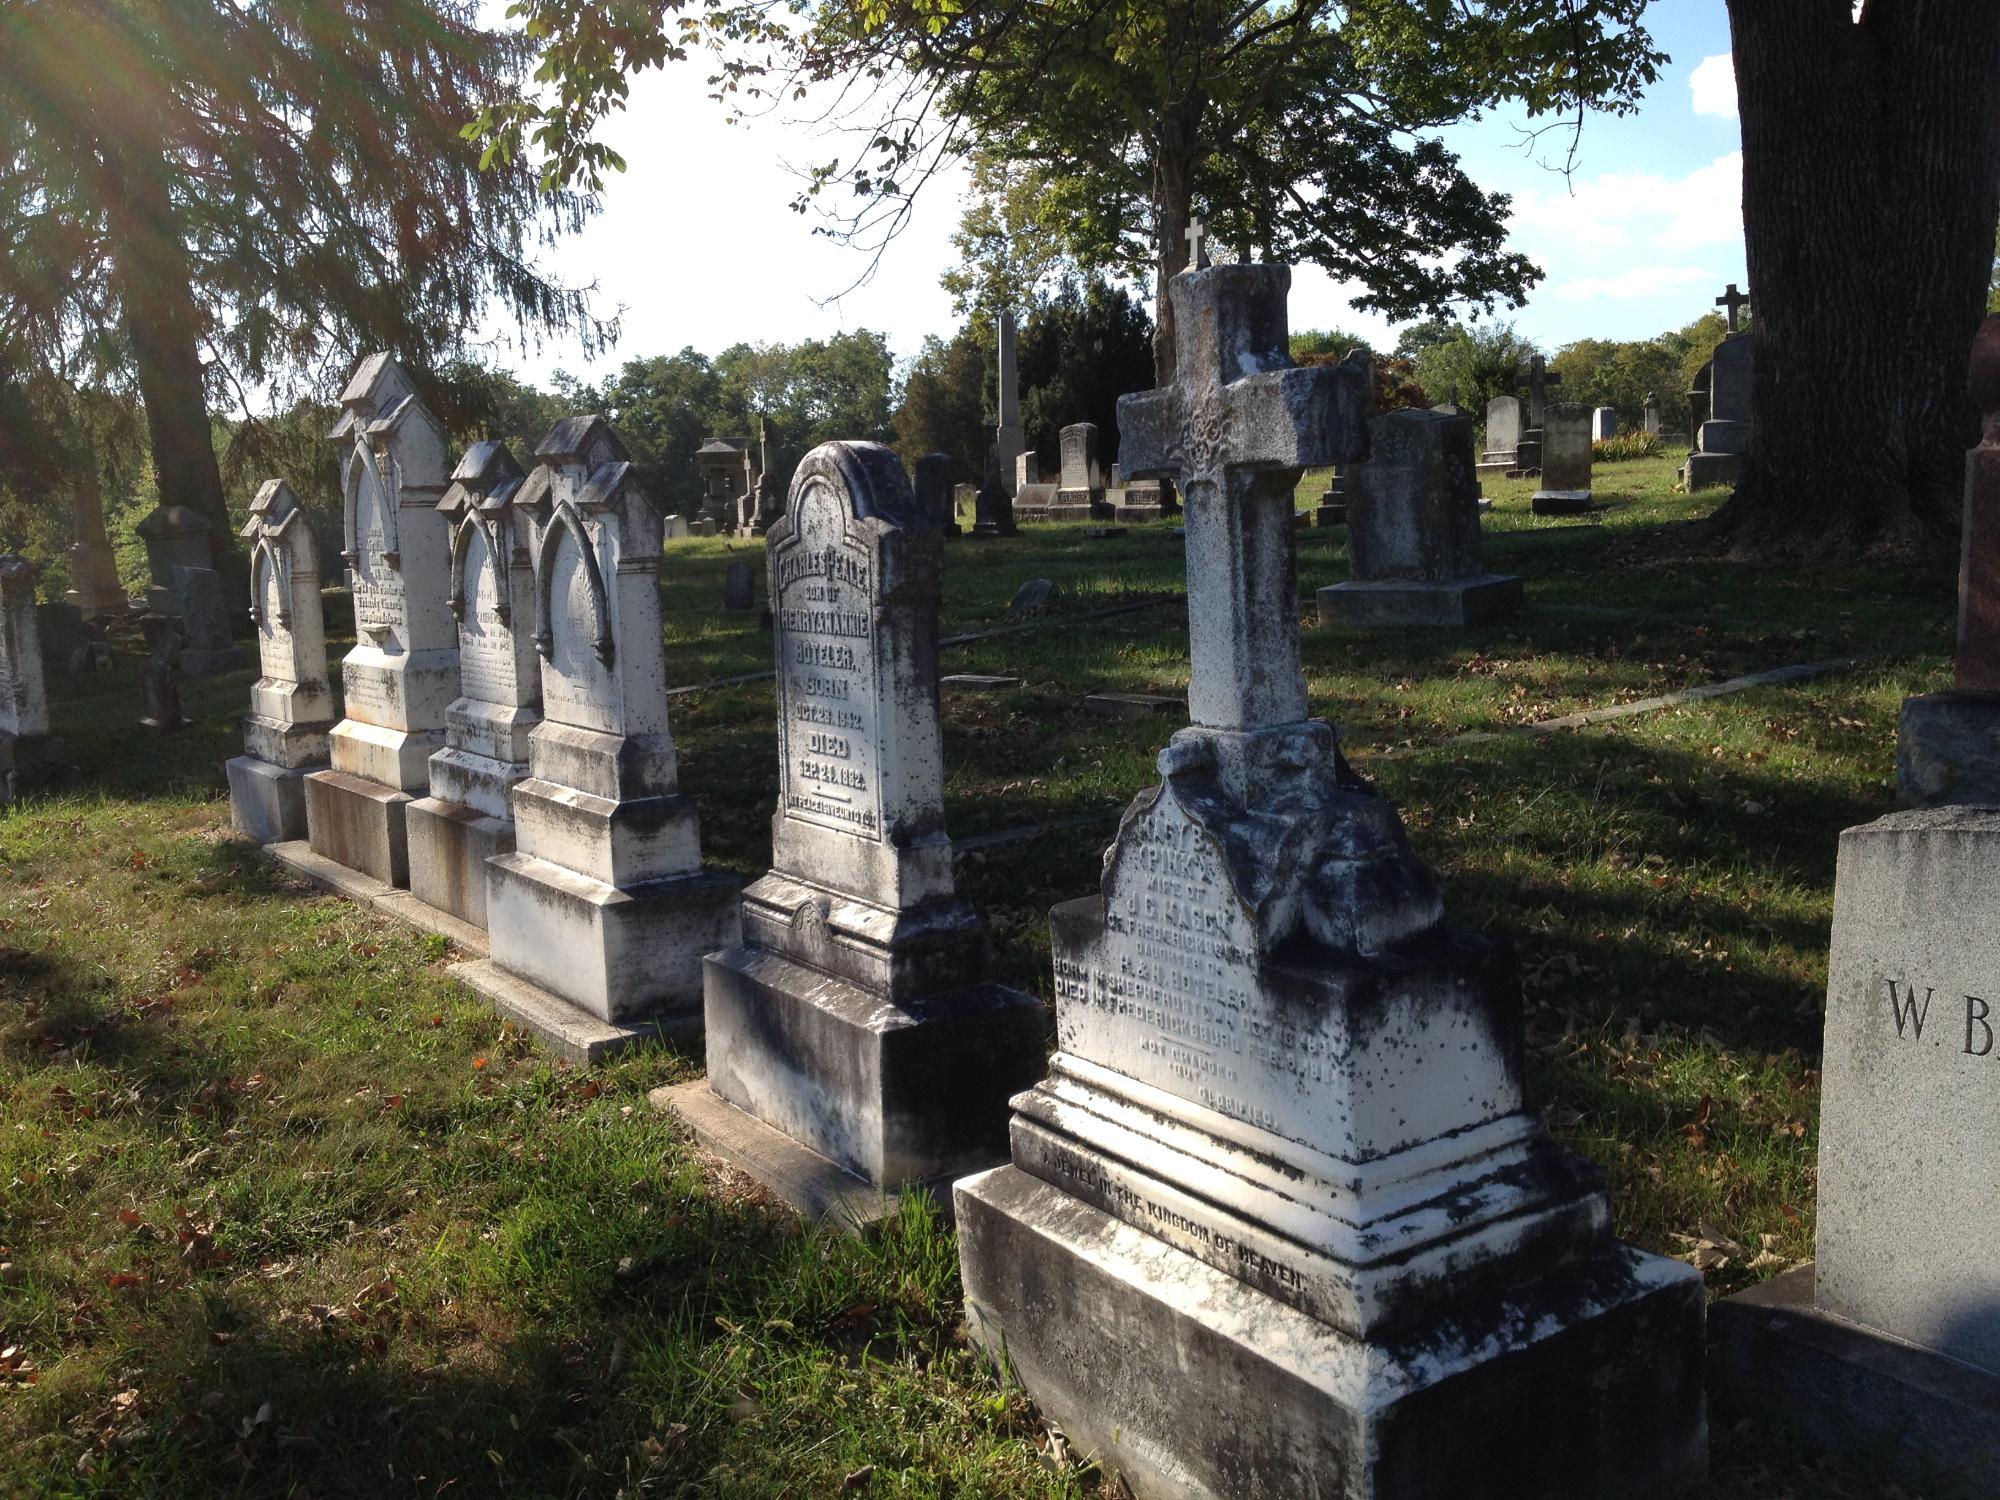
(1978,662)
(1734,301)
(1237,427)
(1539,380)
(1197,256)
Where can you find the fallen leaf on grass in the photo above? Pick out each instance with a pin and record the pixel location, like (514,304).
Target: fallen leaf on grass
(860,1479)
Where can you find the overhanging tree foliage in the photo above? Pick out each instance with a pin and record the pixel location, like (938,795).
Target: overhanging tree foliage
(200,196)
(1301,127)
(1871,186)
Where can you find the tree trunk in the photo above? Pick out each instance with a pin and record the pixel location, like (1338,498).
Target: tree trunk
(1871,185)
(1173,209)
(156,291)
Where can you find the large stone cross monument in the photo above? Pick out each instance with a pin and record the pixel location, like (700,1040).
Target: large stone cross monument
(1280,1214)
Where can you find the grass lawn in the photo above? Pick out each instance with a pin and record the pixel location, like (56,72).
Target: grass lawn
(285,1212)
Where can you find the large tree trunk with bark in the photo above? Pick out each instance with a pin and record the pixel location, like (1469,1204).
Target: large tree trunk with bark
(156,290)
(1173,210)
(1871,184)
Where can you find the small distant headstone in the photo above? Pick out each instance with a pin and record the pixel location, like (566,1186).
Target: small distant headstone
(739,586)
(159,676)
(727,476)
(31,759)
(964,501)
(1603,424)
(704,526)
(1503,435)
(1413,532)
(1027,470)
(994,507)
(1030,599)
(65,644)
(977,682)
(1133,705)
(176,536)
(1081,493)
(673,528)
(1652,415)
(205,623)
(932,482)
(1565,486)
(854,1043)
(285,734)
(1721,399)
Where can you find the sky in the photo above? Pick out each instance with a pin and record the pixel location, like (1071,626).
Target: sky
(698,245)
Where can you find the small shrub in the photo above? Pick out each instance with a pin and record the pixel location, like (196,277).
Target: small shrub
(1626,445)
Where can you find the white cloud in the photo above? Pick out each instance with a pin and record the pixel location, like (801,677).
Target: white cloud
(1638,282)
(1624,210)
(1713,83)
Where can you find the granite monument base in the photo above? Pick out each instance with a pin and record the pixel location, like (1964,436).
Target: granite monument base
(614,952)
(1560,502)
(1948,750)
(449,846)
(893,1093)
(1581,1386)
(1707,470)
(568,1032)
(267,803)
(1920,1415)
(359,824)
(1331,515)
(1392,602)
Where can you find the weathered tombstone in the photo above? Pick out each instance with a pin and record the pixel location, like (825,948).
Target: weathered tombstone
(1603,423)
(1030,600)
(854,1043)
(723,480)
(1723,429)
(176,536)
(1081,494)
(1009,438)
(1503,435)
(604,907)
(1651,418)
(291,706)
(1888,1345)
(93,567)
(965,501)
(1333,501)
(704,526)
(159,675)
(673,528)
(739,586)
(31,759)
(402,674)
(65,645)
(204,617)
(1280,1214)
(1027,470)
(464,819)
(1413,531)
(1565,486)
(932,483)
(993,510)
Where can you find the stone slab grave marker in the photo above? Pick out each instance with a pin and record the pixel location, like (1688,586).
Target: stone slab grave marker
(1413,532)
(465,819)
(854,1043)
(1134,705)
(1888,1345)
(1651,418)
(160,676)
(1031,600)
(604,907)
(1721,400)
(932,483)
(739,586)
(993,510)
(402,674)
(1528,452)
(1280,1215)
(175,536)
(1081,494)
(965,501)
(31,758)
(1565,486)
(1503,435)
(285,733)
(204,617)
(1603,423)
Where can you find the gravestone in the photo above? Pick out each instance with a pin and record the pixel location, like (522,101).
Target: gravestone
(1603,424)
(673,528)
(66,646)
(739,586)
(1651,417)
(402,674)
(724,482)
(1009,438)
(854,1043)
(1723,428)
(1331,508)
(1565,486)
(1027,470)
(1413,532)
(465,819)
(285,733)
(1081,493)
(932,483)
(1030,600)
(965,501)
(1888,1345)
(604,907)
(1280,1216)
(176,536)
(159,676)
(1528,453)
(204,617)
(31,759)
(769,504)
(993,508)
(1503,435)
(93,567)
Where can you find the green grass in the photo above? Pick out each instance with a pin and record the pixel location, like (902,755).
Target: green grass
(285,1212)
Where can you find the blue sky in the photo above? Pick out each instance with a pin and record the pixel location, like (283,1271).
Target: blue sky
(698,246)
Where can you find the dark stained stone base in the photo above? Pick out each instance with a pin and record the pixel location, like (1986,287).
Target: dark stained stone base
(1332,514)
(1921,1416)
(1948,750)
(267,803)
(1560,502)
(892,1092)
(359,824)
(1134,705)
(449,845)
(1706,470)
(1460,601)
(1193,1386)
